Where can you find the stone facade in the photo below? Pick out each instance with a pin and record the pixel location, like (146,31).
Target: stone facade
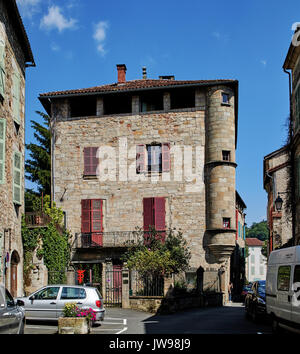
(292,63)
(276,176)
(15,52)
(199,188)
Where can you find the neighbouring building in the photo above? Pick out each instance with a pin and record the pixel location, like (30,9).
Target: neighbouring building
(276,182)
(292,67)
(256,262)
(237,266)
(15,56)
(146,152)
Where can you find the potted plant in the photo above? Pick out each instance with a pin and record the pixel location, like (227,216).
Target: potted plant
(75,320)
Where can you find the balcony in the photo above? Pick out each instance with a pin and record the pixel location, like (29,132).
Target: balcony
(36,219)
(39,219)
(107,239)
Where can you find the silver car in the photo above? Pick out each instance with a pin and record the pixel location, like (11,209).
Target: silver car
(12,317)
(48,302)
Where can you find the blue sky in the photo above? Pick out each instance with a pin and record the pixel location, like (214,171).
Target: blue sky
(77,44)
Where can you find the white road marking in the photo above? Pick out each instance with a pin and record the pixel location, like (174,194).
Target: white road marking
(123,330)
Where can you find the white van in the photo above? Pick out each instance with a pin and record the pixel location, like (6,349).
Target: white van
(283,288)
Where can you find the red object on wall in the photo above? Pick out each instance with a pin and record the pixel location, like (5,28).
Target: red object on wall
(80,275)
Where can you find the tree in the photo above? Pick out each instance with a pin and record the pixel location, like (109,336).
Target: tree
(258,230)
(38,167)
(153,256)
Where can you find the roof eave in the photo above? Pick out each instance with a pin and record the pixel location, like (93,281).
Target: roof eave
(21,33)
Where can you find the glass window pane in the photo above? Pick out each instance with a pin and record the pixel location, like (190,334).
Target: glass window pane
(283,280)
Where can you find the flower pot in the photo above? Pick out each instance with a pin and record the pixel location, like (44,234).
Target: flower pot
(73,325)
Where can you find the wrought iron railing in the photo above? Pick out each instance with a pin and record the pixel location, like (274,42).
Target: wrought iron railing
(36,219)
(107,239)
(144,286)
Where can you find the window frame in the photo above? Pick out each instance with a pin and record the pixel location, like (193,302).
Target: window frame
(225,94)
(226,221)
(18,170)
(279,287)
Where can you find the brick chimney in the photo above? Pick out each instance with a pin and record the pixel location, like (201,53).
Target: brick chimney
(121,73)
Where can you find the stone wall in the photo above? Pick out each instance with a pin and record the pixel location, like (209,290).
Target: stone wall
(10,215)
(197,199)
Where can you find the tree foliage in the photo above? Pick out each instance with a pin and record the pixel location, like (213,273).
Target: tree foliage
(50,242)
(258,230)
(38,167)
(153,256)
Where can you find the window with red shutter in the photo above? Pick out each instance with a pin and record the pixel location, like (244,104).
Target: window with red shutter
(92,220)
(86,216)
(90,161)
(166,161)
(155,215)
(148,213)
(160,216)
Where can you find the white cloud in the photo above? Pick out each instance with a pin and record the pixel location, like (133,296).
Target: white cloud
(56,20)
(263,62)
(100,36)
(28,7)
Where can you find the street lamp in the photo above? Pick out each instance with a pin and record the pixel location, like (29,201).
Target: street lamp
(279,201)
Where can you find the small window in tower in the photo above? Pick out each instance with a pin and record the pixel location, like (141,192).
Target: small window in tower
(225,98)
(226,155)
(226,223)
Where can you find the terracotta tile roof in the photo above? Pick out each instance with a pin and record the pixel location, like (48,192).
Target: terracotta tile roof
(135,85)
(253,242)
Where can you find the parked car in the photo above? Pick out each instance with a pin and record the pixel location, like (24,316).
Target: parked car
(48,302)
(12,316)
(283,289)
(246,289)
(255,301)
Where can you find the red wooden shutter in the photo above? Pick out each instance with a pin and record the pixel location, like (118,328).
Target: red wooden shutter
(97,222)
(86,216)
(141,158)
(148,213)
(148,216)
(160,216)
(90,161)
(166,160)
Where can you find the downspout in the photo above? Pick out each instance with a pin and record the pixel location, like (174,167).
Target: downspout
(292,154)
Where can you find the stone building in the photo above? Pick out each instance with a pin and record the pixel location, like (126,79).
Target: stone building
(256,262)
(276,177)
(15,56)
(147,152)
(237,264)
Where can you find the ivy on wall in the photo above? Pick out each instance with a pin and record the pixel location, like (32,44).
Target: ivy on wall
(50,242)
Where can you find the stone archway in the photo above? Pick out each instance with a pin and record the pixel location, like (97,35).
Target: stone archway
(15,260)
